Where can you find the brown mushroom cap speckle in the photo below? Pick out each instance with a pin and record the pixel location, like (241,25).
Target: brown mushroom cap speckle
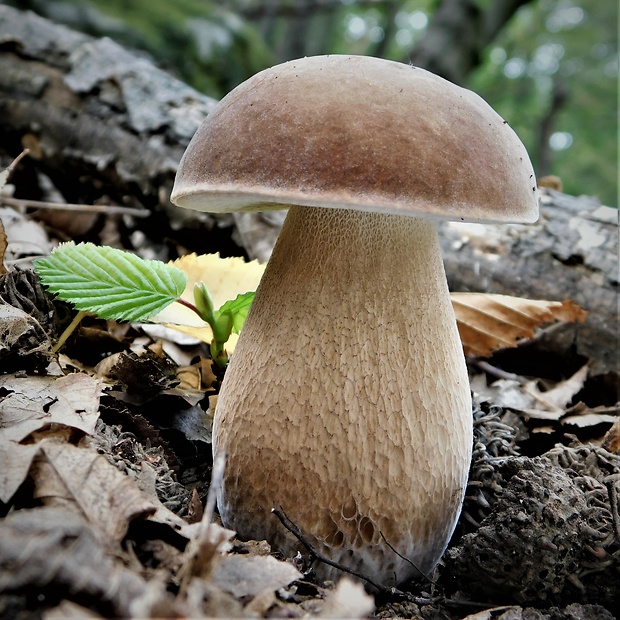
(358,133)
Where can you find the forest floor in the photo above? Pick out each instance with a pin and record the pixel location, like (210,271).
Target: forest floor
(106,486)
(105,472)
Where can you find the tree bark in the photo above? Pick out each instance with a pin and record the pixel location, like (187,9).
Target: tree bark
(571,253)
(93,114)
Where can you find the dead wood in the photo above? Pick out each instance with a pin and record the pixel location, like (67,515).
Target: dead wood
(99,120)
(570,254)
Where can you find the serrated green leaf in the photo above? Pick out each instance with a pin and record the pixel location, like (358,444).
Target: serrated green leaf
(110,283)
(238,308)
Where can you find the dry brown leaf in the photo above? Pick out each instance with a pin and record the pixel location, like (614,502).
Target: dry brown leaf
(53,547)
(489,322)
(25,236)
(525,396)
(82,479)
(30,404)
(562,393)
(70,611)
(19,329)
(611,441)
(242,575)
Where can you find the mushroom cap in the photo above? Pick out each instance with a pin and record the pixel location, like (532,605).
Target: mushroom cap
(357,132)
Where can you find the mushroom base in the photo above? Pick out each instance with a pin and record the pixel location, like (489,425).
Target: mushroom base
(347,402)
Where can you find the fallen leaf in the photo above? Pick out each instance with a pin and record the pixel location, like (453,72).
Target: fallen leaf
(527,398)
(489,322)
(30,404)
(20,330)
(611,441)
(488,614)
(225,279)
(589,418)
(65,475)
(53,547)
(562,393)
(348,600)
(25,236)
(70,611)
(243,576)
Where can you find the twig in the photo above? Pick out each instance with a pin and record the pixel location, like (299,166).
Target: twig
(498,372)
(294,529)
(14,163)
(418,600)
(61,206)
(402,557)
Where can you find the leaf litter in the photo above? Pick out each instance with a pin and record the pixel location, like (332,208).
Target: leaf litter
(105,470)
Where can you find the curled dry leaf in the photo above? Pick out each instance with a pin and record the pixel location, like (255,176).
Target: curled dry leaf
(242,575)
(33,403)
(489,322)
(65,475)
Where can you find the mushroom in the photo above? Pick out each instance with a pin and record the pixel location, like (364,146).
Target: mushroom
(346,402)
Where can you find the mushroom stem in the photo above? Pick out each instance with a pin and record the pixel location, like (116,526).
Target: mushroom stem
(351,410)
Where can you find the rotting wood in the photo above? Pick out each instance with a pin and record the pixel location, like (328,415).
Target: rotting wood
(93,114)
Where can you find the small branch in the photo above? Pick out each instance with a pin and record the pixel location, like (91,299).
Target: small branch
(402,557)
(498,372)
(59,206)
(294,529)
(17,160)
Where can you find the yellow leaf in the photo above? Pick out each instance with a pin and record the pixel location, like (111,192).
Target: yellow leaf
(488,322)
(225,279)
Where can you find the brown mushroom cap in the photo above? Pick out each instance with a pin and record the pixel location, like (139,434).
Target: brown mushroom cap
(358,133)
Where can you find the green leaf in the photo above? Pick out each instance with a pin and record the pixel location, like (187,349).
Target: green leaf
(110,283)
(238,309)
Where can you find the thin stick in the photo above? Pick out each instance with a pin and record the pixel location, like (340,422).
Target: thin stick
(14,163)
(498,372)
(61,206)
(402,557)
(294,529)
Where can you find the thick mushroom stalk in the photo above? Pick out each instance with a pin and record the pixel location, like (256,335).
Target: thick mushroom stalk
(347,401)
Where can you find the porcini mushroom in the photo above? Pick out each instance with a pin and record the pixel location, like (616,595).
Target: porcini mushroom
(347,402)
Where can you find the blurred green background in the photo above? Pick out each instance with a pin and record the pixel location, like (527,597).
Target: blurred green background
(549,67)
